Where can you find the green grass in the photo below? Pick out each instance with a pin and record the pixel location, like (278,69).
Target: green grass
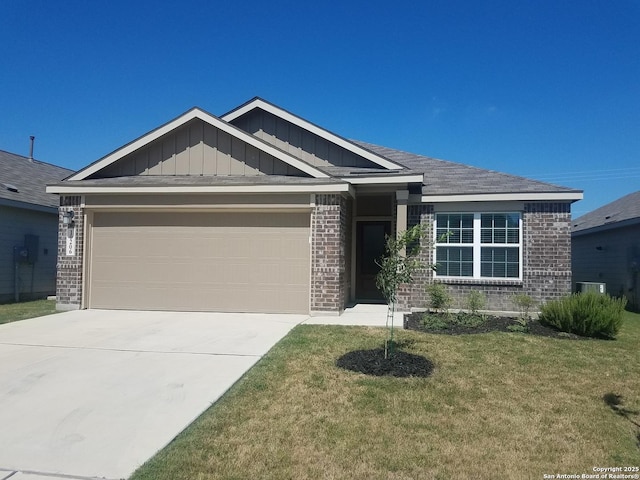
(498,405)
(12,312)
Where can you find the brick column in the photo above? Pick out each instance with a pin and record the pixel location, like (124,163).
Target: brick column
(69,267)
(330,275)
(415,295)
(547,250)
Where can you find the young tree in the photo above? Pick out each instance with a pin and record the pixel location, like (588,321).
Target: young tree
(397,267)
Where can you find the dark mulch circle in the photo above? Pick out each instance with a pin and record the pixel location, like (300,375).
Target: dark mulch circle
(372,362)
(414,321)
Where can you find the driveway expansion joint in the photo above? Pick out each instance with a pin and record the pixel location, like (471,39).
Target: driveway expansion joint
(131,350)
(63,476)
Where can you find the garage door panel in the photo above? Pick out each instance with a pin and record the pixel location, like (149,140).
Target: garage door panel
(200,261)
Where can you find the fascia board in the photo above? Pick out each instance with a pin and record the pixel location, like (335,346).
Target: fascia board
(182,120)
(607,226)
(321,132)
(87,189)
(380,180)
(500,197)
(27,206)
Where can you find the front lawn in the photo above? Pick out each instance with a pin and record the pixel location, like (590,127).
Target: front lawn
(10,312)
(497,405)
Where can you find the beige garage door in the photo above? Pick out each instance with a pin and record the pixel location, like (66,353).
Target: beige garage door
(229,262)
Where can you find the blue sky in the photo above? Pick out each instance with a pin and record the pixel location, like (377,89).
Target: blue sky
(544,89)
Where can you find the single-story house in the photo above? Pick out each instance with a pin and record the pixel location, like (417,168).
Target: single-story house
(260,210)
(28,227)
(606,248)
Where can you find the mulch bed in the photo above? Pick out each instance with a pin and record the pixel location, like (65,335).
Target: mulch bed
(399,364)
(403,364)
(413,321)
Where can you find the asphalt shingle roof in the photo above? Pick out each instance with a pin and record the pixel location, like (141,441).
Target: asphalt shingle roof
(621,210)
(29,178)
(442,177)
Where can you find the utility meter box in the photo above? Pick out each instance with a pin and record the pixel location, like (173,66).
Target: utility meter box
(31,243)
(596,287)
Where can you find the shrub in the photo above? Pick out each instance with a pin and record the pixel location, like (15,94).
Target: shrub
(476,301)
(435,322)
(472,320)
(524,303)
(440,300)
(588,314)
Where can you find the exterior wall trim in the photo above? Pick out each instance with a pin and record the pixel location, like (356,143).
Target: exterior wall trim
(84,189)
(501,197)
(27,206)
(384,180)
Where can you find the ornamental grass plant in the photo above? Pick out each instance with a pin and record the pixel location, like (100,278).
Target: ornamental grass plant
(588,314)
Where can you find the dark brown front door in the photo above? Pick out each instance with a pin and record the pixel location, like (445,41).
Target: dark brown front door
(370,241)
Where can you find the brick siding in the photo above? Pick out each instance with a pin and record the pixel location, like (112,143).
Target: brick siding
(69,267)
(546,269)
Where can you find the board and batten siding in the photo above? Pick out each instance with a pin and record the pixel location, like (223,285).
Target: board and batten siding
(39,279)
(298,142)
(198,148)
(612,257)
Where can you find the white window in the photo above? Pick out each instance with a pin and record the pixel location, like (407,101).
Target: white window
(479,245)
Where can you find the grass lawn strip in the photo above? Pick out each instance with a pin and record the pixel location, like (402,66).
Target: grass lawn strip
(497,405)
(12,312)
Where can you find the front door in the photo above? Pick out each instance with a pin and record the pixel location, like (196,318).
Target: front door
(370,241)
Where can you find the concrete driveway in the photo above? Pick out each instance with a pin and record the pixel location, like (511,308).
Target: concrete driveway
(96,393)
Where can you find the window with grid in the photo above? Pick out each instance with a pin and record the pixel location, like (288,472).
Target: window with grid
(478,245)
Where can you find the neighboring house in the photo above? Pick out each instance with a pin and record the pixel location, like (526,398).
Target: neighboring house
(28,227)
(606,248)
(260,210)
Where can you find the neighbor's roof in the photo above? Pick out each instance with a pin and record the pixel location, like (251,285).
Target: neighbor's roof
(620,212)
(23,180)
(442,177)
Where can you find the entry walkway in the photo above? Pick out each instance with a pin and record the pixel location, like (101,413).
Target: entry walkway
(360,314)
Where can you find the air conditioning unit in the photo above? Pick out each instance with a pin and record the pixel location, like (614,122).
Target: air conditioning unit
(596,287)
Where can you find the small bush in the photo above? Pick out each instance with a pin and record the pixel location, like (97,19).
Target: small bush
(524,303)
(435,322)
(440,300)
(476,301)
(518,328)
(521,325)
(438,321)
(472,320)
(588,314)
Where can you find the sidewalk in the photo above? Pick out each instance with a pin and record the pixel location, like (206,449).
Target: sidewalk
(360,314)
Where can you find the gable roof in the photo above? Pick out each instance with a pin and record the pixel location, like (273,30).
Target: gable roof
(444,179)
(186,117)
(622,212)
(23,181)
(440,180)
(353,147)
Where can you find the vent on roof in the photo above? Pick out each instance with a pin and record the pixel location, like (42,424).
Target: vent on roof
(11,188)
